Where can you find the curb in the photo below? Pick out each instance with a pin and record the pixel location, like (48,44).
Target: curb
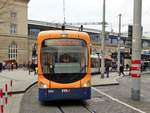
(23,91)
(105,84)
(145,73)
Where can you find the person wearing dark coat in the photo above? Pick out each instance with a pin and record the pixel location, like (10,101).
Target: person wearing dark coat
(107,71)
(121,70)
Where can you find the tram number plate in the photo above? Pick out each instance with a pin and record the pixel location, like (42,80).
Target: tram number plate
(65,90)
(50,91)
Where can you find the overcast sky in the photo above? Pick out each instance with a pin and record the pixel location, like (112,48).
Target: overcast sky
(88,11)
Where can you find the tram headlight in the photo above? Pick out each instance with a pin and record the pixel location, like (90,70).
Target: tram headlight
(42,85)
(86,84)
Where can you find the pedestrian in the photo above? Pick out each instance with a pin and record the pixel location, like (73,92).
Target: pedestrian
(107,71)
(12,66)
(36,70)
(1,67)
(29,67)
(127,66)
(4,65)
(121,70)
(33,67)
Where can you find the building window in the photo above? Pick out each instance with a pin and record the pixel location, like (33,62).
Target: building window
(12,51)
(108,40)
(34,32)
(114,41)
(34,50)
(95,38)
(121,41)
(13,29)
(13,15)
(145,44)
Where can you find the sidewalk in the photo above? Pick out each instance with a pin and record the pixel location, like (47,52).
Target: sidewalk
(98,81)
(112,80)
(20,80)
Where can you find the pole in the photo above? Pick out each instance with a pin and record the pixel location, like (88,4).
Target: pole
(103,42)
(136,51)
(64,12)
(119,36)
(28,48)
(98,54)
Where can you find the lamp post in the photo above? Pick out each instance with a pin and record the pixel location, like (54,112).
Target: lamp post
(119,36)
(136,51)
(103,42)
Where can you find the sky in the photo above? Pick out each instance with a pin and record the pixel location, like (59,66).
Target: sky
(89,11)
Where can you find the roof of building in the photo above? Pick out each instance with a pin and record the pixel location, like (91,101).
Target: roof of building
(72,27)
(59,25)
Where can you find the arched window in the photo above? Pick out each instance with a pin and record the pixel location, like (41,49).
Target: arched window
(12,51)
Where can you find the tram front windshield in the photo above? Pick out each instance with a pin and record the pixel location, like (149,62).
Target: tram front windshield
(64,60)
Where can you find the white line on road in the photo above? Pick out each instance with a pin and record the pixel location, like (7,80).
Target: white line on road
(114,99)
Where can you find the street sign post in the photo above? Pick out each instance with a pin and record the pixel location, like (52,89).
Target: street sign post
(128,42)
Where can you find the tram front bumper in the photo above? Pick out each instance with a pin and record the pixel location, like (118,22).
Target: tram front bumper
(64,94)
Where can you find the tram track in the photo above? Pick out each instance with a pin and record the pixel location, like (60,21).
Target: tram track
(89,109)
(60,108)
(97,104)
(67,106)
(82,106)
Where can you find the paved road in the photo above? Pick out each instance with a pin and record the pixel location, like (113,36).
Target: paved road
(105,99)
(123,92)
(99,103)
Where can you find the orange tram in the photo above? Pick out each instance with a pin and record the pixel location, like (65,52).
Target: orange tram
(64,65)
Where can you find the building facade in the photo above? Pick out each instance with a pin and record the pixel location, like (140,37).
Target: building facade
(13,30)
(18,34)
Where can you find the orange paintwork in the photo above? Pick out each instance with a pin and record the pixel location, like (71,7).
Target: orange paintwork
(60,34)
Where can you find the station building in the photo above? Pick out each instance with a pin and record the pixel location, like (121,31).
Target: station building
(18,34)
(13,30)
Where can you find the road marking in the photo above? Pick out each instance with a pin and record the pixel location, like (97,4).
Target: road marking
(114,99)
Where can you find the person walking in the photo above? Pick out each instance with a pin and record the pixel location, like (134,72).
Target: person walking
(36,70)
(29,67)
(127,66)
(107,71)
(121,70)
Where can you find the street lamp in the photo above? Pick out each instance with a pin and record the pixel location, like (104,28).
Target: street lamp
(103,42)
(119,36)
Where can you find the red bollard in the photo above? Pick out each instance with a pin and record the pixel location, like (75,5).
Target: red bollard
(1,101)
(6,94)
(10,93)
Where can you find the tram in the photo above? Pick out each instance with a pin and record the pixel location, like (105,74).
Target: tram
(64,71)
(96,63)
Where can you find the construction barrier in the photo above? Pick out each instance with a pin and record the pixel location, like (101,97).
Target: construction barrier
(1,101)
(6,94)
(10,92)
